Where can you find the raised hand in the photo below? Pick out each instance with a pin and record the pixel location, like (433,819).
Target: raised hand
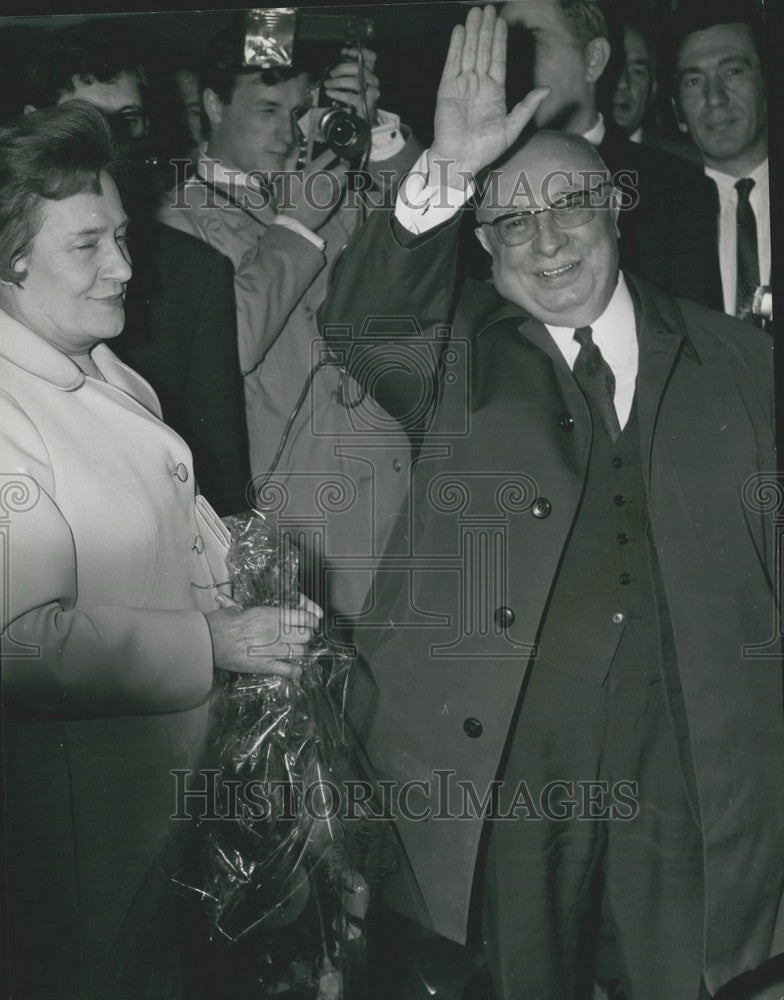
(472,127)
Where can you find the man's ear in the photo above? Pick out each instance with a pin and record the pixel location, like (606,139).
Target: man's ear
(678,116)
(597,55)
(481,235)
(213,106)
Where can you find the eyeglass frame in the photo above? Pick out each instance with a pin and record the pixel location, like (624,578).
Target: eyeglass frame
(530,213)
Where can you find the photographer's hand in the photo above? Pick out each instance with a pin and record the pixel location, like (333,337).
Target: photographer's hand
(310,196)
(472,128)
(343,83)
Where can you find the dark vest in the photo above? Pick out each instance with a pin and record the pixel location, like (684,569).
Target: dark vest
(604,603)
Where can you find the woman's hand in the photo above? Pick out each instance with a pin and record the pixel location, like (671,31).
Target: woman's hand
(262,640)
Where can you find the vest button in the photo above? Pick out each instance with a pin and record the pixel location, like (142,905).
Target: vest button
(622,538)
(504,617)
(617,462)
(397,465)
(625,579)
(566,421)
(618,618)
(619,500)
(541,507)
(181,473)
(472,728)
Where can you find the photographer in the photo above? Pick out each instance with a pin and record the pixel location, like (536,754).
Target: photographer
(281,243)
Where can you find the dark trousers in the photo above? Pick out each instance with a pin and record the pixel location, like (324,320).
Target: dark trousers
(545,877)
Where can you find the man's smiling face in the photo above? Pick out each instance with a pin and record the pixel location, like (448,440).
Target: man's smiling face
(561,276)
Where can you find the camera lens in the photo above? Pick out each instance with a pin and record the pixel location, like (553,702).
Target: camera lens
(346,134)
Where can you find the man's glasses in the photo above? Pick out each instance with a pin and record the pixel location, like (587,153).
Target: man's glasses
(575,209)
(129,124)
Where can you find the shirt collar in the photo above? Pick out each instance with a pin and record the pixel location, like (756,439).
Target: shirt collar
(215,172)
(595,134)
(636,135)
(614,332)
(726,182)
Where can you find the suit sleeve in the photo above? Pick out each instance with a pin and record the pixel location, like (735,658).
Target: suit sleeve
(64,657)
(214,395)
(388,308)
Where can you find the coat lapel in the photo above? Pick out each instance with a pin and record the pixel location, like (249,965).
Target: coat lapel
(662,338)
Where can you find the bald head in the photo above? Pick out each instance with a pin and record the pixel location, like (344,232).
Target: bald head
(549,164)
(548,219)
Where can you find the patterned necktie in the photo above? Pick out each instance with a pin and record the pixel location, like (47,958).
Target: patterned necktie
(748,259)
(595,378)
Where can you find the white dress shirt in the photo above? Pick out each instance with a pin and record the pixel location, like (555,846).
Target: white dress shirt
(421,207)
(759,199)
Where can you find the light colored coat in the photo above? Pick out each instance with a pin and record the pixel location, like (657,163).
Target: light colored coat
(107,661)
(343,472)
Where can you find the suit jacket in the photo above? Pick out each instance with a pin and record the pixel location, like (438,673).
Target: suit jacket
(670,236)
(510,430)
(181,335)
(110,563)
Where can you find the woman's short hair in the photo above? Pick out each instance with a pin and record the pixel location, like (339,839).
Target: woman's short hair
(50,154)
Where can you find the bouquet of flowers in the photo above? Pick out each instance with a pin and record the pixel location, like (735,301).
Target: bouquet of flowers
(281,867)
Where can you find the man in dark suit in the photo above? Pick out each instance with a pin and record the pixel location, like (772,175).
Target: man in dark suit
(573,621)
(181,327)
(668,218)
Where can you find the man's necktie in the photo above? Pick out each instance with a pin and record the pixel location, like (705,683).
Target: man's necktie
(595,378)
(748,258)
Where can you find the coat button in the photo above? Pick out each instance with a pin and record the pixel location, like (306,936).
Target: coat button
(198,545)
(181,473)
(625,579)
(397,465)
(619,500)
(566,421)
(622,538)
(541,507)
(617,462)
(618,618)
(472,728)
(504,617)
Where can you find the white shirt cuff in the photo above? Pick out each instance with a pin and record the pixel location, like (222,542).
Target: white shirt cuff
(420,206)
(386,137)
(297,227)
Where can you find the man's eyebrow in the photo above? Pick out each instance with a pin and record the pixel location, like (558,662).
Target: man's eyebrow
(739,57)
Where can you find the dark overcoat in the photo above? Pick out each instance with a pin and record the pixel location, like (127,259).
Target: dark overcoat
(495,490)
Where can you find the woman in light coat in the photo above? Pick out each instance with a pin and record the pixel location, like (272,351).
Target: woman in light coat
(113,620)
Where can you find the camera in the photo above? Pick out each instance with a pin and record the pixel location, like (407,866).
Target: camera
(334,126)
(273,35)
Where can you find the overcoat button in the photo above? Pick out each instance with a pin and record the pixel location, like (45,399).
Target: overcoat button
(472,728)
(622,538)
(541,507)
(181,472)
(618,618)
(198,545)
(619,500)
(504,617)
(625,579)
(566,422)
(617,462)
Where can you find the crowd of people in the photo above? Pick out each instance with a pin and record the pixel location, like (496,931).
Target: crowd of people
(510,396)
